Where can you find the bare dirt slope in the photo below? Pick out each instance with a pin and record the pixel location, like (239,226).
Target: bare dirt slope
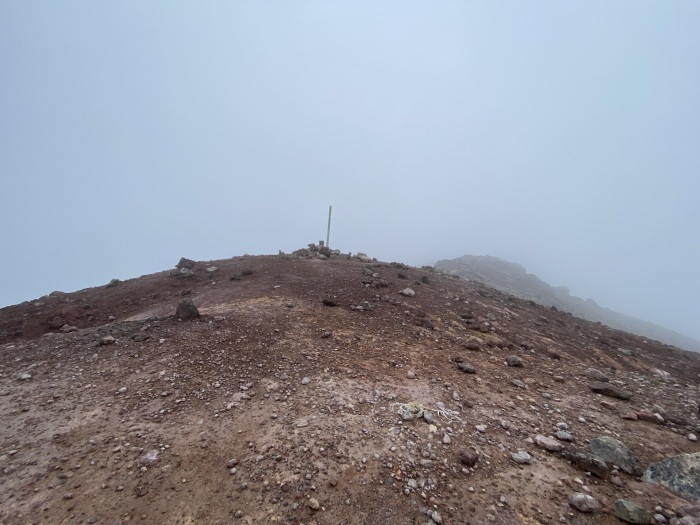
(276,408)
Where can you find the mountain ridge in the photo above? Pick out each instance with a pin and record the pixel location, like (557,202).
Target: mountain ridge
(514,279)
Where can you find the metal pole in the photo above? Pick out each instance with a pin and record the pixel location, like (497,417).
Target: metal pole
(328,234)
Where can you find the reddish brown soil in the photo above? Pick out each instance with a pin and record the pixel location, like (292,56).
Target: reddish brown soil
(73,448)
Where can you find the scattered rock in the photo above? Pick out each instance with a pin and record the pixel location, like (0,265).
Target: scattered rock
(679,474)
(363,257)
(563,435)
(24,376)
(661,373)
(466,368)
(408,292)
(468,458)
(656,418)
(56,322)
(631,512)
(140,337)
(596,375)
(112,283)
(587,462)
(107,340)
(583,502)
(186,310)
(314,504)
(613,451)
(548,443)
(305,380)
(329,302)
(186,272)
(521,457)
(411,374)
(212,269)
(472,344)
(610,390)
(515,361)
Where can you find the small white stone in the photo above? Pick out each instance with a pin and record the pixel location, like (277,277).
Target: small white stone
(692,437)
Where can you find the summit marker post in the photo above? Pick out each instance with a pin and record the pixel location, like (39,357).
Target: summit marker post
(328,233)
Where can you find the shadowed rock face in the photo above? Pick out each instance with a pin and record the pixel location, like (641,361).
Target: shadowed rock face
(680,474)
(514,279)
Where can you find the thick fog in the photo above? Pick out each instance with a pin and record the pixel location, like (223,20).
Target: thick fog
(560,135)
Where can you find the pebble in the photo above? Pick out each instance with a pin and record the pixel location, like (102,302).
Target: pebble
(562,435)
(305,381)
(436,517)
(411,374)
(692,437)
(481,428)
(446,439)
(314,504)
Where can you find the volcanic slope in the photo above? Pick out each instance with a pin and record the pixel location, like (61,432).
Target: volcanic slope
(275,406)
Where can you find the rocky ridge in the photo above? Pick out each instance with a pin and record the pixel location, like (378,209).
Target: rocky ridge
(512,278)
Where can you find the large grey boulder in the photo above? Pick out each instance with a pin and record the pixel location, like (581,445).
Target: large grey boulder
(630,512)
(613,451)
(679,474)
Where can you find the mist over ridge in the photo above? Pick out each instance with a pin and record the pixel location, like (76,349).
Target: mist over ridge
(513,278)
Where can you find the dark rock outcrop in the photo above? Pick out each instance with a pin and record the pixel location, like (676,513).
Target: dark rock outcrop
(679,474)
(186,310)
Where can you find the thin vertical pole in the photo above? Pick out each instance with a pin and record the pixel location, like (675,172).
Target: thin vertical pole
(328,234)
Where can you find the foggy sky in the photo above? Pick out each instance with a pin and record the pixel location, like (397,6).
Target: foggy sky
(560,135)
